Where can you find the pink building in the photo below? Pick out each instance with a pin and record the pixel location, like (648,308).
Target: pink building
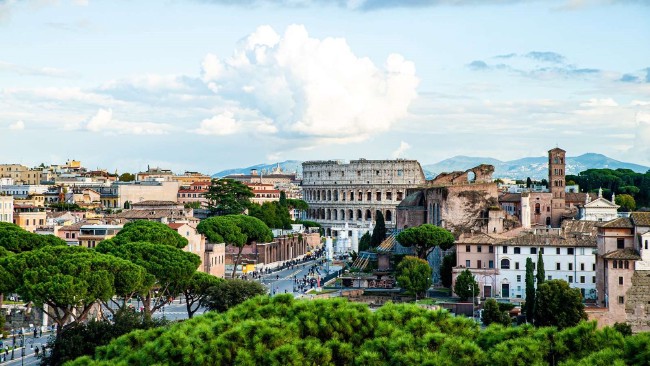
(194,193)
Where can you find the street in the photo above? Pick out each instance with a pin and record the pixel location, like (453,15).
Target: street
(30,344)
(284,281)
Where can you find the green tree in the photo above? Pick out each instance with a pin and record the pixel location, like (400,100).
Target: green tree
(228,197)
(168,269)
(558,305)
(15,239)
(297,204)
(69,280)
(226,294)
(426,237)
(379,231)
(235,230)
(624,328)
(492,313)
(466,286)
(126,177)
(529,305)
(272,214)
(196,291)
(626,202)
(446,269)
(364,242)
(283,200)
(414,275)
(149,231)
(541,273)
(82,339)
(529,182)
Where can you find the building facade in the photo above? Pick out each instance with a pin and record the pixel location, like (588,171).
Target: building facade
(353,192)
(6,209)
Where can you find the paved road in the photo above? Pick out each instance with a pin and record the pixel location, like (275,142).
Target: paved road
(30,343)
(284,281)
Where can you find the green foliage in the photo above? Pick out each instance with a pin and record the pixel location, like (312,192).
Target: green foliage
(414,275)
(228,197)
(273,214)
(621,181)
(235,230)
(15,239)
(492,313)
(196,291)
(541,273)
(446,269)
(283,199)
(194,205)
(81,339)
(466,286)
(529,306)
(558,305)
(426,237)
(626,202)
(168,269)
(67,278)
(364,242)
(63,206)
(379,231)
(624,328)
(226,294)
(297,204)
(126,177)
(281,330)
(307,223)
(149,231)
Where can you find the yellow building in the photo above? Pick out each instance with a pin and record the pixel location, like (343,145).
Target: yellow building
(29,217)
(91,235)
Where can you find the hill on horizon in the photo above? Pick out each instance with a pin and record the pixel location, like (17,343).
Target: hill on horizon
(533,167)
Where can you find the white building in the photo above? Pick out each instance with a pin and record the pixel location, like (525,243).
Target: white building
(6,209)
(599,209)
(22,191)
(567,256)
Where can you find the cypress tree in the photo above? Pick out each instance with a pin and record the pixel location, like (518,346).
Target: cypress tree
(379,232)
(541,274)
(530,290)
(283,199)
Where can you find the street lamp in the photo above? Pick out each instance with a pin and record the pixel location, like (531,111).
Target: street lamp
(472,288)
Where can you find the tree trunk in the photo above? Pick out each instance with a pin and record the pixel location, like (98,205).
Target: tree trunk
(146,304)
(234,270)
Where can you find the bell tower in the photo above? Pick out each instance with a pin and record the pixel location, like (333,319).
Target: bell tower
(556,179)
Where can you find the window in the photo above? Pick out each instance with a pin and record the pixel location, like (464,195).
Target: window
(620,243)
(517,250)
(582,279)
(557,266)
(479,248)
(593,267)
(505,249)
(582,266)
(614,264)
(468,248)
(491,249)
(533,250)
(627,264)
(468,264)
(516,265)
(518,278)
(570,279)
(570,266)
(646,244)
(569,251)
(557,251)
(593,279)
(478,264)
(621,300)
(491,263)
(550,278)
(541,250)
(505,264)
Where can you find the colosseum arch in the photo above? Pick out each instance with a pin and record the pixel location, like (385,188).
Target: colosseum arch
(368,215)
(389,215)
(350,215)
(342,215)
(359,215)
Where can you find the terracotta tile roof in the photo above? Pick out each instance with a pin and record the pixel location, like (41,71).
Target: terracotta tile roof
(74,227)
(155,203)
(621,222)
(579,197)
(641,218)
(478,238)
(150,214)
(510,197)
(529,239)
(580,226)
(627,253)
(175,225)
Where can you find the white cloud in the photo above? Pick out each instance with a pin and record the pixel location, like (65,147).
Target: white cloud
(605,102)
(235,121)
(310,87)
(103,121)
(19,125)
(399,152)
(220,125)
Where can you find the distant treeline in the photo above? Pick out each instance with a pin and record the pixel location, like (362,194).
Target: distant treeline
(619,181)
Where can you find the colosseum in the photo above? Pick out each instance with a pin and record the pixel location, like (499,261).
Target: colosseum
(339,192)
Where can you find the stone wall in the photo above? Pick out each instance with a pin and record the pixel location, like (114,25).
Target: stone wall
(637,302)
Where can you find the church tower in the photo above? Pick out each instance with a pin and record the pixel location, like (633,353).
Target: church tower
(556,179)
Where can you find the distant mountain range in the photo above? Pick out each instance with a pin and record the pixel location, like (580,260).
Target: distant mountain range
(533,167)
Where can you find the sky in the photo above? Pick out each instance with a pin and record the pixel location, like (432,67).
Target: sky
(205,85)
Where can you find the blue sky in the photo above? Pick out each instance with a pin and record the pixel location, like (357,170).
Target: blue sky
(208,84)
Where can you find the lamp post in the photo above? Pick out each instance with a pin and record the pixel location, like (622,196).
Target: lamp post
(473,299)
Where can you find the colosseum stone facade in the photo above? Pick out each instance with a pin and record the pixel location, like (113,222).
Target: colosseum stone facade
(339,192)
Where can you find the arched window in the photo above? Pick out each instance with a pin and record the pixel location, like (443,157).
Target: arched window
(505,263)
(318,195)
(329,214)
(350,215)
(389,215)
(329,195)
(368,215)
(538,208)
(359,216)
(342,215)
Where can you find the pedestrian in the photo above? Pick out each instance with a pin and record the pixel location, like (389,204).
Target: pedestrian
(36,351)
